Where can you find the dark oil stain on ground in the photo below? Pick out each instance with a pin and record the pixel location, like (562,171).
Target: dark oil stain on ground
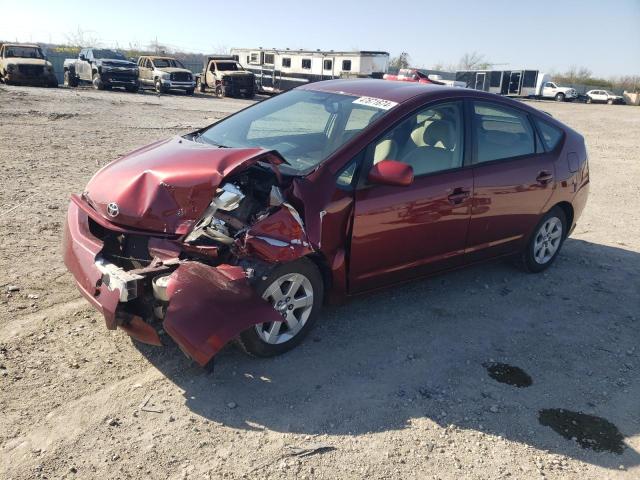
(589,431)
(508,374)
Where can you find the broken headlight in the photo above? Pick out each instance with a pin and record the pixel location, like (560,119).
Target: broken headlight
(228,198)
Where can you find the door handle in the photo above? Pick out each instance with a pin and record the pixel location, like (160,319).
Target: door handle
(458,195)
(544,177)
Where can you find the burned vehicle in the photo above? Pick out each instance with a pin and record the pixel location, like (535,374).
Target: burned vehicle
(226,77)
(165,74)
(25,64)
(241,230)
(102,68)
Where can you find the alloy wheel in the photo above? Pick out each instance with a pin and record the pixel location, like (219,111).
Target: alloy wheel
(547,240)
(291,296)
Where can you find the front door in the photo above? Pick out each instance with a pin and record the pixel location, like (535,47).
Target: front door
(405,232)
(514,83)
(513,180)
(146,71)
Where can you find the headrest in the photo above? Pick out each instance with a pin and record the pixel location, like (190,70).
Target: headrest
(439,131)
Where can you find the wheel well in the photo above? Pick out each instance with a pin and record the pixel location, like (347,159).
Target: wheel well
(567,208)
(321,263)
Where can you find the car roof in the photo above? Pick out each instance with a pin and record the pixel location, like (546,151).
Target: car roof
(158,57)
(30,45)
(385,89)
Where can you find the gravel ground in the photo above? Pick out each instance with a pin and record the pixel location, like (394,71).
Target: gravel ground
(401,384)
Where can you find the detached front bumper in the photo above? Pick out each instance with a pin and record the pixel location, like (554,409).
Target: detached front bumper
(204,306)
(44,80)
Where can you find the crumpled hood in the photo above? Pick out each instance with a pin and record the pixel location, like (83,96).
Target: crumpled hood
(114,62)
(166,186)
(28,61)
(173,70)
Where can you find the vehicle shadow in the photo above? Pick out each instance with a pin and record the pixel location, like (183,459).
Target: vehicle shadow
(417,353)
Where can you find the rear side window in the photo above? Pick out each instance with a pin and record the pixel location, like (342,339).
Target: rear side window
(551,135)
(501,132)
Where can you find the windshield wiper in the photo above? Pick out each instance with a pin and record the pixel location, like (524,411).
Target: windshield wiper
(197,137)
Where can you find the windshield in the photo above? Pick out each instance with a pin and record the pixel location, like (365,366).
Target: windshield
(304,126)
(23,52)
(109,54)
(227,66)
(167,63)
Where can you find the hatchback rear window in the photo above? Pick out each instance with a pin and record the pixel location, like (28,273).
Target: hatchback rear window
(551,135)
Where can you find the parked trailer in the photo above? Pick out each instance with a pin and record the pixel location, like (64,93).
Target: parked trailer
(279,70)
(517,83)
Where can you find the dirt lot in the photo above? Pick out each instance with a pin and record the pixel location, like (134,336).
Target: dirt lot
(392,385)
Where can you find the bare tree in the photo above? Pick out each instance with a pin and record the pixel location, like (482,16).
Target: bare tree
(401,61)
(473,61)
(82,38)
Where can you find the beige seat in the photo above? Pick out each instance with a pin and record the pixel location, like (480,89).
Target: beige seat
(386,149)
(436,153)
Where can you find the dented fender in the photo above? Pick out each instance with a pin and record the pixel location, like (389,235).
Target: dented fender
(278,237)
(208,306)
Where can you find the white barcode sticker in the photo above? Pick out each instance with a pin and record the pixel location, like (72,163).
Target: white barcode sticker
(376,102)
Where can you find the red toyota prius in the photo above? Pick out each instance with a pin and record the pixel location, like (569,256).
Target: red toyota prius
(243,229)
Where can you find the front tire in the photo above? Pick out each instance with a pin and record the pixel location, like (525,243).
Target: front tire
(295,290)
(70,79)
(97,81)
(609,102)
(560,97)
(189,91)
(201,86)
(546,241)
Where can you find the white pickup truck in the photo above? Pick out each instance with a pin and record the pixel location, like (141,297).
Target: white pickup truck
(560,94)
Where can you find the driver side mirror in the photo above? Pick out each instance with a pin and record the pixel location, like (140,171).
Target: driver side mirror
(391,172)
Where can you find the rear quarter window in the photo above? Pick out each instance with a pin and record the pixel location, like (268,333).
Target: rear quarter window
(551,135)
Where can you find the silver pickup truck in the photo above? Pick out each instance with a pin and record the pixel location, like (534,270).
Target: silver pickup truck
(164,74)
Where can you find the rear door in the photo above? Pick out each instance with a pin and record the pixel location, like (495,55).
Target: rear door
(512,177)
(402,232)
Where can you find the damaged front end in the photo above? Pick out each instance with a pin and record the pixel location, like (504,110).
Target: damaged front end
(167,259)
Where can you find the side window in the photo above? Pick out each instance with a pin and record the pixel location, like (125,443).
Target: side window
(306,63)
(431,140)
(501,132)
(268,58)
(345,179)
(346,65)
(551,135)
(286,62)
(328,64)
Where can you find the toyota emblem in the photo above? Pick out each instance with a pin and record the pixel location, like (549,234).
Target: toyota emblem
(113,210)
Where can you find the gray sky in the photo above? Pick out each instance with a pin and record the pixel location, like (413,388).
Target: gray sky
(603,36)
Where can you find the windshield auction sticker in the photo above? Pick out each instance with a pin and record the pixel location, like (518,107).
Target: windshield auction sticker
(376,102)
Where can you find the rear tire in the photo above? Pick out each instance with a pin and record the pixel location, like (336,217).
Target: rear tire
(299,280)
(560,97)
(589,100)
(546,241)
